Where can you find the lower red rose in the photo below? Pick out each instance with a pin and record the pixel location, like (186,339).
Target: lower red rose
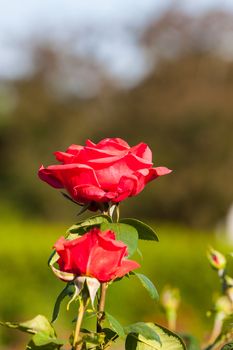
(96,254)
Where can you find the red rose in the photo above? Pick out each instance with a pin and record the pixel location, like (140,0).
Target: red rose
(96,254)
(110,170)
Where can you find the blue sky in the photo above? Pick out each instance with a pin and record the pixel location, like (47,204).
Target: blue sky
(56,19)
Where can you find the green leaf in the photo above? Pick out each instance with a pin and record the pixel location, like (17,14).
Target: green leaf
(191,342)
(90,314)
(169,340)
(228,346)
(36,325)
(146,282)
(115,325)
(92,221)
(110,335)
(44,342)
(132,341)
(144,231)
(83,209)
(143,329)
(67,291)
(125,233)
(140,253)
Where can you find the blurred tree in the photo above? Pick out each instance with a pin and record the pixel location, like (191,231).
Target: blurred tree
(182,109)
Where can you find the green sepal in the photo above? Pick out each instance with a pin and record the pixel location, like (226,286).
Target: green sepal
(169,340)
(66,196)
(83,209)
(67,291)
(145,232)
(115,325)
(143,329)
(147,284)
(53,258)
(125,233)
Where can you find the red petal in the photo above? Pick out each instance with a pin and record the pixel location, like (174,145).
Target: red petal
(126,187)
(105,257)
(49,177)
(153,173)
(98,155)
(108,234)
(162,170)
(89,143)
(135,162)
(75,254)
(86,193)
(126,267)
(108,161)
(64,157)
(143,151)
(74,149)
(69,176)
(113,144)
(108,241)
(146,175)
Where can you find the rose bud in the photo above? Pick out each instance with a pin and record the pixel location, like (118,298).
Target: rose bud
(109,171)
(170,298)
(216,259)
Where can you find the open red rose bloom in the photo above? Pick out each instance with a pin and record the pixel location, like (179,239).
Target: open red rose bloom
(96,254)
(110,170)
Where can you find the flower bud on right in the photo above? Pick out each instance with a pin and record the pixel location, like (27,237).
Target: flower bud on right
(216,259)
(170,298)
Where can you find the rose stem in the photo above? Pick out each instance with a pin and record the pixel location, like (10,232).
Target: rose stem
(81,311)
(217,327)
(100,317)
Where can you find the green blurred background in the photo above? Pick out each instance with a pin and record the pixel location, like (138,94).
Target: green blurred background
(158,72)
